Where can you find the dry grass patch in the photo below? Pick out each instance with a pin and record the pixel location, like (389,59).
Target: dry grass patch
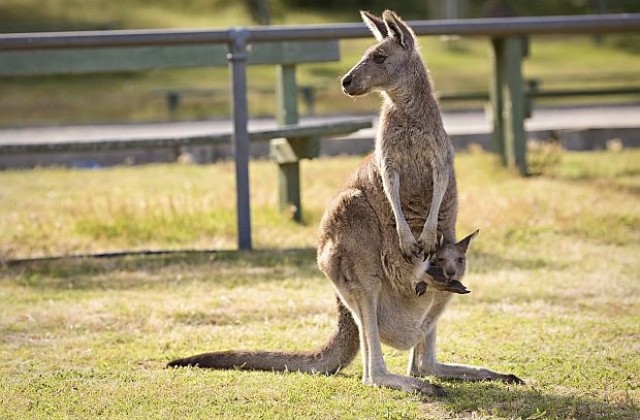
(554,281)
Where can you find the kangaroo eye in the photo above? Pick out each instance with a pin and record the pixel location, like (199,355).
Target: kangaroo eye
(460,260)
(378,58)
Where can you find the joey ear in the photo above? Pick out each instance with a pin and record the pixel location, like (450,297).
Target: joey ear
(399,30)
(375,24)
(463,245)
(440,240)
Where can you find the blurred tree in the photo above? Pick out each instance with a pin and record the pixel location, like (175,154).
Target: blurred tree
(448,9)
(502,8)
(413,9)
(259,11)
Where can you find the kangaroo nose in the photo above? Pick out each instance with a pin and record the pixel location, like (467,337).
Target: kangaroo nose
(346,80)
(451,273)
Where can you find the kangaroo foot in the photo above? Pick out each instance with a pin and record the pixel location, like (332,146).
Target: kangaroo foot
(421,288)
(407,384)
(509,379)
(454,286)
(428,241)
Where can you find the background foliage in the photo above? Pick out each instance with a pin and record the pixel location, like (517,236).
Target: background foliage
(456,65)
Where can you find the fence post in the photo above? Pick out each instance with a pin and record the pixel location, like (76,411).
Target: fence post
(287,113)
(496,98)
(238,72)
(509,101)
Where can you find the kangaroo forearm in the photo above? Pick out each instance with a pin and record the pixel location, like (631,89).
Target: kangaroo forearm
(391,186)
(440,184)
(448,213)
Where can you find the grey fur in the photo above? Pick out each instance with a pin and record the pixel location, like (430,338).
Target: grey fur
(367,244)
(413,153)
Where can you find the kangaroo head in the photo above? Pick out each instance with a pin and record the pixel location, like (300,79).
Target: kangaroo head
(382,65)
(452,258)
(447,266)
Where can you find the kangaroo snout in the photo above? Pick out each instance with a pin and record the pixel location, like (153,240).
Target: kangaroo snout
(346,81)
(353,86)
(349,85)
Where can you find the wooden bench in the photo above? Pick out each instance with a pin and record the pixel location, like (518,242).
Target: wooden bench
(290,142)
(174,97)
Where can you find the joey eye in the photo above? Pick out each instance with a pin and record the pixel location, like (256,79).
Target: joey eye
(378,58)
(460,260)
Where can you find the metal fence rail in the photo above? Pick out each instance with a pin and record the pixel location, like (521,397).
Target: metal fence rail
(490,27)
(507,34)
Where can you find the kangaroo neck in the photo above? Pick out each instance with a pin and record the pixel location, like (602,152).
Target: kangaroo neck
(413,97)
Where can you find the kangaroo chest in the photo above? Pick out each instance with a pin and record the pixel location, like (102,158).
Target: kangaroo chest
(410,151)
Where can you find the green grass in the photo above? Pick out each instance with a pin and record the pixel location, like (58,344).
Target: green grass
(61,211)
(554,280)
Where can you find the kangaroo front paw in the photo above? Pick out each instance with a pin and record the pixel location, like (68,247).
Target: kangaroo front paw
(409,247)
(427,242)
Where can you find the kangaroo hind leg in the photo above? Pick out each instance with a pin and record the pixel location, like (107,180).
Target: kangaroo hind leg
(359,291)
(377,374)
(422,362)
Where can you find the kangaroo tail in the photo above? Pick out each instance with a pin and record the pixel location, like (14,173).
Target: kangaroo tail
(336,353)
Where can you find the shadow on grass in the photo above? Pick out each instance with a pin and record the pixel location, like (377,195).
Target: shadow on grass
(529,402)
(124,271)
(144,270)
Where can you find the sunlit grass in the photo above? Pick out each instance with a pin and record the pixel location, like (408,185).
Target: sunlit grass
(59,211)
(554,280)
(49,211)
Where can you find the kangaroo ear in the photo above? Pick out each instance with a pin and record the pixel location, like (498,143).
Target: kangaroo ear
(399,30)
(463,245)
(375,24)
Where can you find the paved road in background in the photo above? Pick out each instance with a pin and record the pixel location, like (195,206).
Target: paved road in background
(460,122)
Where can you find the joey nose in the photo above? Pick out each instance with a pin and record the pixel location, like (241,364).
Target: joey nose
(451,273)
(346,81)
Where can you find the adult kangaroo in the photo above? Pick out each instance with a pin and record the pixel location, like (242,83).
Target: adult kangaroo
(367,244)
(413,154)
